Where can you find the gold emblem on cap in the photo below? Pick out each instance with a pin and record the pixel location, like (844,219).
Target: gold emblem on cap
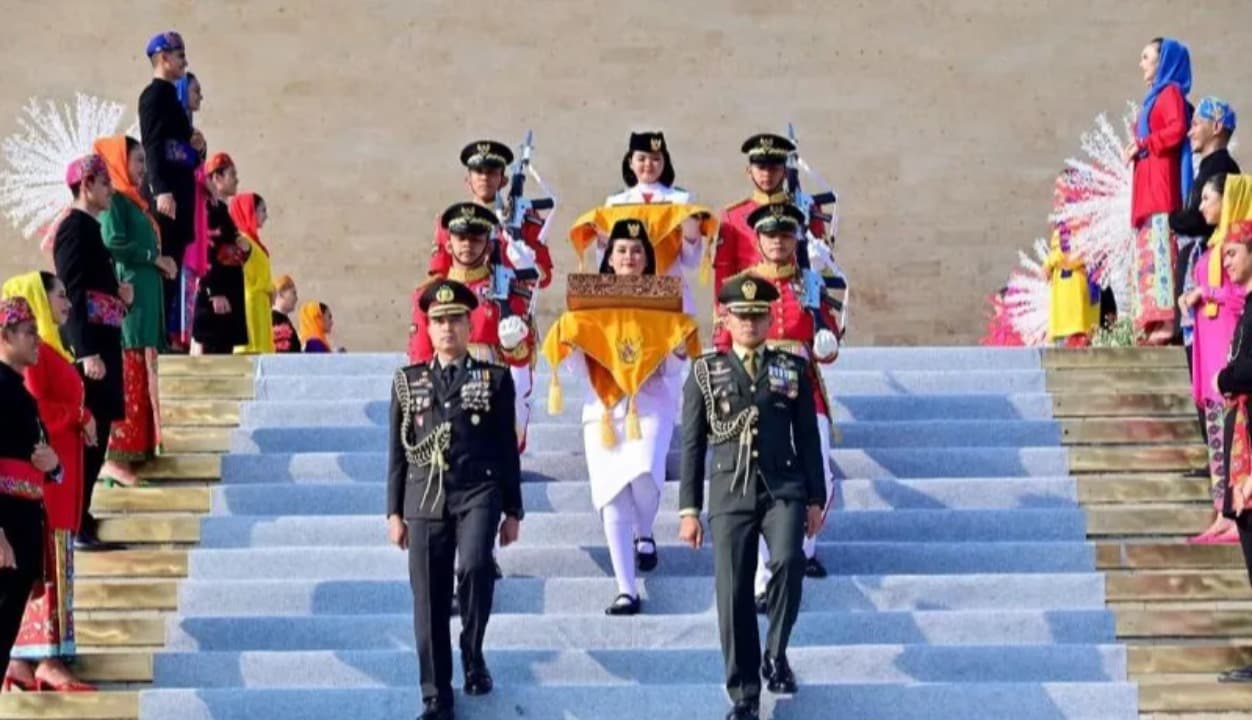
(483,148)
(444,294)
(657,144)
(748,288)
(766,142)
(778,210)
(467,211)
(634,228)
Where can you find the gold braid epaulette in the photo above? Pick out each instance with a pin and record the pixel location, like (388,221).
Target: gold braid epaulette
(431,449)
(740,427)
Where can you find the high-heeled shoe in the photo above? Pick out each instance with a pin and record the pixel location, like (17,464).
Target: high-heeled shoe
(11,682)
(73,685)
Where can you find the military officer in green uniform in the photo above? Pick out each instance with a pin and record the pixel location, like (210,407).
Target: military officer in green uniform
(453,472)
(755,405)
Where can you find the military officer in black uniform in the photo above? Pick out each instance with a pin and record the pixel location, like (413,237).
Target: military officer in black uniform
(453,472)
(755,405)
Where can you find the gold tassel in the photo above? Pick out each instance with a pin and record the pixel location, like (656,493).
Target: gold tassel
(556,399)
(633,431)
(608,437)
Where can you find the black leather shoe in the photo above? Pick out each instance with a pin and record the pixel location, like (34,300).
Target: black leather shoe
(90,542)
(778,676)
(743,710)
(436,710)
(645,561)
(1197,473)
(477,678)
(762,605)
(814,568)
(1239,675)
(624,605)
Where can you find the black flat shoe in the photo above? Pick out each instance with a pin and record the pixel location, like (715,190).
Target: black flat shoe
(762,604)
(814,568)
(436,710)
(1238,675)
(478,681)
(778,676)
(1197,473)
(743,711)
(624,605)
(645,561)
(85,542)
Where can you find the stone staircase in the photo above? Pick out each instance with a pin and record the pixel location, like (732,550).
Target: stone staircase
(963,582)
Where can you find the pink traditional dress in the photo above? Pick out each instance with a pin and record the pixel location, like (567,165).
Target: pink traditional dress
(1210,351)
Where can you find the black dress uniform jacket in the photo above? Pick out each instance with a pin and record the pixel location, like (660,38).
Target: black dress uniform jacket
(453,443)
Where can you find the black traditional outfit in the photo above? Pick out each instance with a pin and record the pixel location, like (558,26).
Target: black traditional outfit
(220,333)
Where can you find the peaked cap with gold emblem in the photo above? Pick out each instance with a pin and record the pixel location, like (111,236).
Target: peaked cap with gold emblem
(767,149)
(776,219)
(747,294)
(486,154)
(468,218)
(446,297)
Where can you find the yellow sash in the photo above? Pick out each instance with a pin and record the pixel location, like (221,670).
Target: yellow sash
(624,347)
(664,222)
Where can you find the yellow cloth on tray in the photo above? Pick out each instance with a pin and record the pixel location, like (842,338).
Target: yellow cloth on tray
(624,347)
(664,222)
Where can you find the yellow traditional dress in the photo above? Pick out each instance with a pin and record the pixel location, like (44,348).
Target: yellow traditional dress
(1072,311)
(258,284)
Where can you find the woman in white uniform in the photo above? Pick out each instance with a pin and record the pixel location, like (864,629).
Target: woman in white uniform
(648,173)
(627,475)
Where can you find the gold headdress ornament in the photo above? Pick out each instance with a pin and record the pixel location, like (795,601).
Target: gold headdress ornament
(749,290)
(444,294)
(657,144)
(634,228)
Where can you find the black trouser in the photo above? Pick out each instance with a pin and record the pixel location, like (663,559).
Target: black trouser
(736,539)
(93,460)
(216,349)
(1200,410)
(22,521)
(433,548)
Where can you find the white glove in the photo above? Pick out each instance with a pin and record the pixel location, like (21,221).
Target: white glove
(512,331)
(825,344)
(691,227)
(820,258)
(520,255)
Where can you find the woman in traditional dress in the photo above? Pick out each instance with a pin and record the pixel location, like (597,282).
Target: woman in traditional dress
(648,171)
(195,263)
(1216,308)
(286,339)
(316,324)
(248,212)
(27,464)
(220,324)
(626,437)
(1162,178)
(131,235)
(46,639)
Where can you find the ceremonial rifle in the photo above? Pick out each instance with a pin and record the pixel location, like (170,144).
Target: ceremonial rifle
(816,283)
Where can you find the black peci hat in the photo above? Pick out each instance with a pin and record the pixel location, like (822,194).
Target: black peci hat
(652,142)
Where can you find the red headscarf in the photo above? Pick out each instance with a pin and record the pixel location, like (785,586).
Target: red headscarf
(243,212)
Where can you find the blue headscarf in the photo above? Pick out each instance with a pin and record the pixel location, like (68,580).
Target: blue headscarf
(183,86)
(1173,68)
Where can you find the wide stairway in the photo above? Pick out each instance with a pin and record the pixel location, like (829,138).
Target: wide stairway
(962,584)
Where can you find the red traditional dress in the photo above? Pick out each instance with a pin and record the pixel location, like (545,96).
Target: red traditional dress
(484,341)
(441,259)
(1157,192)
(48,623)
(737,248)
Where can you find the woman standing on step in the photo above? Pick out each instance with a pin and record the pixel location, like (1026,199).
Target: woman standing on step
(1161,157)
(131,235)
(631,360)
(220,324)
(27,463)
(249,213)
(316,324)
(46,639)
(1216,304)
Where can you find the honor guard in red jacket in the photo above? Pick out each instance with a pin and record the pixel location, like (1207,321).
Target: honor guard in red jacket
(804,322)
(501,326)
(486,163)
(767,169)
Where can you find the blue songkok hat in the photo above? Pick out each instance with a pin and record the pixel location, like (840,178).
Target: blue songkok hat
(1217,110)
(165,42)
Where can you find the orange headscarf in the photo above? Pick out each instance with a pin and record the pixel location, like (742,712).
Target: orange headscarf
(113,151)
(312,323)
(243,213)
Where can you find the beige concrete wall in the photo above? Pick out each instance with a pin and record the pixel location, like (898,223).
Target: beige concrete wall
(942,123)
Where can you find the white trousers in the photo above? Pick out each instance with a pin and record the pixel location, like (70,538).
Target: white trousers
(810,543)
(629,515)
